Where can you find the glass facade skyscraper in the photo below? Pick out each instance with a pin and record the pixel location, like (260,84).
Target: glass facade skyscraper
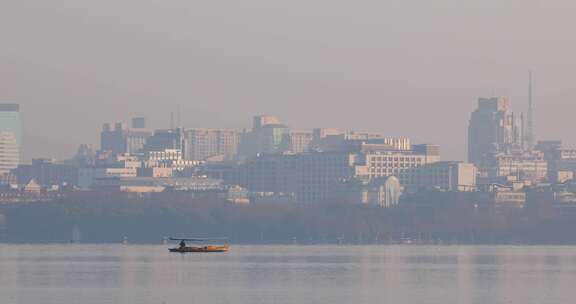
(10,137)
(10,120)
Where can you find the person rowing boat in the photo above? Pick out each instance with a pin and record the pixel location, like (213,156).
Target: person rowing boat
(182,248)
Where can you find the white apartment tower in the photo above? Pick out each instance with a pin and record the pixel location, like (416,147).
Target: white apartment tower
(9,152)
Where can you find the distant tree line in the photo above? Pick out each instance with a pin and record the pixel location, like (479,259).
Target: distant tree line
(150,219)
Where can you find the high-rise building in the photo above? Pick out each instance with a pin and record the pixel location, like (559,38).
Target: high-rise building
(300,141)
(200,144)
(122,140)
(10,120)
(112,139)
(268,135)
(493,128)
(273,138)
(10,137)
(9,152)
(171,139)
(136,139)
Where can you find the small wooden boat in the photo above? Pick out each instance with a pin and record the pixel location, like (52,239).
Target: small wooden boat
(192,249)
(211,248)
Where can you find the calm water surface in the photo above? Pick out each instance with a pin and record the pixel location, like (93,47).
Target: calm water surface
(287,274)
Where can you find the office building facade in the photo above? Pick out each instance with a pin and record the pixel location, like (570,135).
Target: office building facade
(201,144)
(443,175)
(321,176)
(123,140)
(9,152)
(300,141)
(10,137)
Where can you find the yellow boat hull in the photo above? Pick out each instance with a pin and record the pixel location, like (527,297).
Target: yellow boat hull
(224,248)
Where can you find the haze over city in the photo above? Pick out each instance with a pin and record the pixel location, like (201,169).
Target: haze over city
(400,68)
(303,151)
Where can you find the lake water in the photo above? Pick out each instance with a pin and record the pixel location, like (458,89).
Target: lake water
(287,274)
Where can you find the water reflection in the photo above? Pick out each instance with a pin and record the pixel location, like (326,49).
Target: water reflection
(287,274)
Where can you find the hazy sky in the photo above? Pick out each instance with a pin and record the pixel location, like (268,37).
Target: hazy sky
(402,67)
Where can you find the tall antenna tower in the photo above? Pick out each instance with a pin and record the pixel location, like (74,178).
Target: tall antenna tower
(530,137)
(178,117)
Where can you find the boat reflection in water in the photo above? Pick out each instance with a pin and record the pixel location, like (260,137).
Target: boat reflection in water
(182,248)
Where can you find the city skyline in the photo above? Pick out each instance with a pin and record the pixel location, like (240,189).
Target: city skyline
(159,121)
(423,61)
(318,151)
